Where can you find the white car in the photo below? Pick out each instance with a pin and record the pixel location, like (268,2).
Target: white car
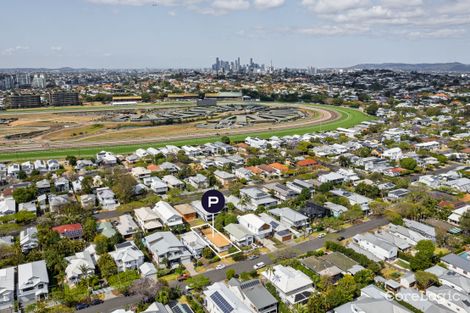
(259,265)
(322,235)
(220,267)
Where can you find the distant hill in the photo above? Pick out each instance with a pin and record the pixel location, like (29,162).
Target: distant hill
(455,67)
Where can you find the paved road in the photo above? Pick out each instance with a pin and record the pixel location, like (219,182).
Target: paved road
(246,266)
(449,167)
(314,244)
(113,304)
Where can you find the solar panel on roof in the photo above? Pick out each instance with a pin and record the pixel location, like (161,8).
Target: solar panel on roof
(250,284)
(221,302)
(176,309)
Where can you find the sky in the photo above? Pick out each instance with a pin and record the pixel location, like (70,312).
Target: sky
(192,33)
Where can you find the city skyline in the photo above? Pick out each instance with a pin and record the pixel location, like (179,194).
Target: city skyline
(191,34)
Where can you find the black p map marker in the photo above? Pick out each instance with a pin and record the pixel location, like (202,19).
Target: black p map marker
(213,201)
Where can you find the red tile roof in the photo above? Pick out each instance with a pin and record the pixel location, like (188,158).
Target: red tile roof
(67,228)
(307,162)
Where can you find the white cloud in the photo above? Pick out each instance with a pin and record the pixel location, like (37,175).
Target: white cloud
(333,6)
(57,48)
(333,30)
(268,4)
(436,34)
(231,5)
(14,50)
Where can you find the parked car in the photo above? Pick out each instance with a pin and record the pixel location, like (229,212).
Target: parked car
(183,277)
(81,306)
(253,257)
(321,235)
(96,301)
(259,265)
(220,267)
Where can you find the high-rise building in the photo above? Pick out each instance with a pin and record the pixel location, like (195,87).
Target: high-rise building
(39,81)
(25,101)
(64,99)
(23,80)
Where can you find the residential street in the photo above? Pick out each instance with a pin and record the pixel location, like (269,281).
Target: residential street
(246,266)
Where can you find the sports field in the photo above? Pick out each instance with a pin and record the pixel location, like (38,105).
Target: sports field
(349,118)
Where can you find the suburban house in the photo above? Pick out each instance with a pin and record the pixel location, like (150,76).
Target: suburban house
(7,289)
(157,185)
(254,295)
(298,185)
(220,299)
(239,234)
(425,230)
(106,198)
(201,212)
(127,256)
(393,154)
(451,279)
(187,211)
(7,206)
(71,231)
(372,300)
(33,282)
(256,197)
(166,246)
(167,214)
(173,182)
(106,229)
(80,265)
(458,264)
(457,214)
(280,191)
(126,226)
(62,185)
(29,239)
(335,209)
(147,219)
(224,178)
(292,285)
(281,232)
(193,243)
(88,201)
(290,217)
(450,298)
(255,225)
(198,181)
(376,246)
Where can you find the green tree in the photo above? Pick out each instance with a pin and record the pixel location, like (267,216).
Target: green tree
(364,278)
(424,258)
(408,163)
(225,139)
(198,282)
(71,159)
(102,244)
(465,223)
(230,273)
(425,280)
(107,266)
(372,109)
(22,195)
(123,187)
(371,191)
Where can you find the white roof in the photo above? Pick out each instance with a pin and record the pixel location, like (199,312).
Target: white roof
(30,274)
(252,219)
(165,211)
(286,278)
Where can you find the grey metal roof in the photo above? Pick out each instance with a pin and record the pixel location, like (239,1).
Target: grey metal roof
(457,261)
